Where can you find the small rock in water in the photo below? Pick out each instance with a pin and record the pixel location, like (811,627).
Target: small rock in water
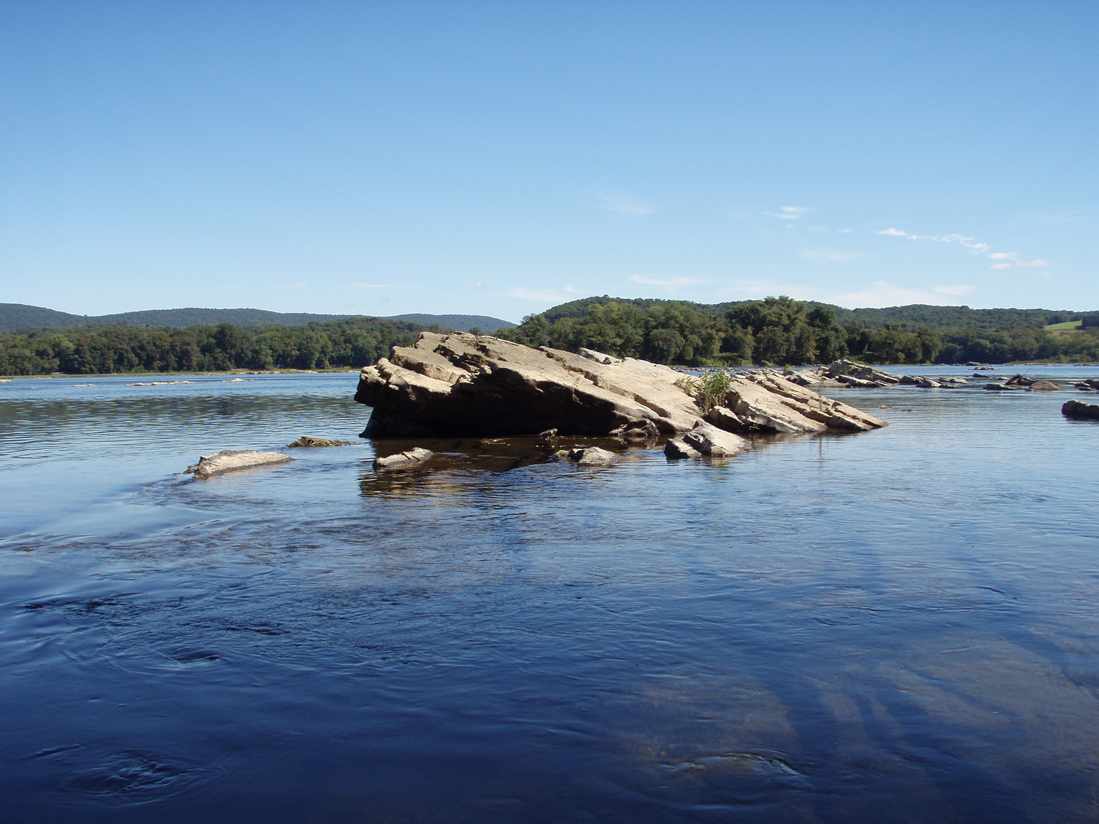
(232,460)
(310,442)
(1080,410)
(677,448)
(401,460)
(593,456)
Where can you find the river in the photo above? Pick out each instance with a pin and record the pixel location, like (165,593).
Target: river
(900,625)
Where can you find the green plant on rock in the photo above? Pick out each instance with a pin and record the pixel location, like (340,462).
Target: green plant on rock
(709,390)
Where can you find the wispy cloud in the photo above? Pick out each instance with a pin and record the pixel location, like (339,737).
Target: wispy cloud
(365,284)
(789,212)
(561,295)
(1013,260)
(623,203)
(668,284)
(830,255)
(1001,260)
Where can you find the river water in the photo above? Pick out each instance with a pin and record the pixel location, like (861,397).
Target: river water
(900,625)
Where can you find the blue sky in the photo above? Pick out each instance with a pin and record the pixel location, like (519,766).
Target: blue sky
(498,158)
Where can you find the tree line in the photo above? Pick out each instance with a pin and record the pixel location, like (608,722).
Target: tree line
(775,331)
(102,350)
(780,331)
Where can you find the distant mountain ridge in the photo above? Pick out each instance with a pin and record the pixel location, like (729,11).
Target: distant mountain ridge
(19,317)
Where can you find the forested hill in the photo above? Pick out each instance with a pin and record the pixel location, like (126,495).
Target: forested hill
(784,331)
(16,317)
(916,314)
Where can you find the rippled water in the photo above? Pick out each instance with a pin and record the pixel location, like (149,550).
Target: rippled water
(900,625)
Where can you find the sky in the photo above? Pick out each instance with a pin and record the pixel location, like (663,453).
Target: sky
(499,158)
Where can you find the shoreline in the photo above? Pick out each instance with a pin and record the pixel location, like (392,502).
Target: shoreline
(334,370)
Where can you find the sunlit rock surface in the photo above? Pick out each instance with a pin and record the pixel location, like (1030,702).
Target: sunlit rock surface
(462,384)
(233,460)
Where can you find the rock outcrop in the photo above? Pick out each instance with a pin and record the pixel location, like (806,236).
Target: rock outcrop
(854,373)
(232,460)
(1080,411)
(462,384)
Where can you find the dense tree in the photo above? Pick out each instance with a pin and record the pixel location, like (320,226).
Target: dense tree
(782,331)
(97,350)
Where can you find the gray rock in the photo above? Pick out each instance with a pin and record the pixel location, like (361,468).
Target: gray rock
(593,456)
(716,443)
(403,460)
(231,460)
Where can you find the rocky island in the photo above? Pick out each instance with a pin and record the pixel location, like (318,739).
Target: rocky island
(467,385)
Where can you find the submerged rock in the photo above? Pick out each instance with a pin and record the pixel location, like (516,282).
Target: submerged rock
(402,460)
(232,460)
(461,384)
(1080,410)
(310,442)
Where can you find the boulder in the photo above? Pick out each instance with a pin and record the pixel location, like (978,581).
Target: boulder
(677,448)
(727,419)
(713,442)
(403,460)
(466,385)
(311,442)
(230,460)
(593,456)
(1045,386)
(1080,411)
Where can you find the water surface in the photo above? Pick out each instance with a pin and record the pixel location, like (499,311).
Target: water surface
(894,626)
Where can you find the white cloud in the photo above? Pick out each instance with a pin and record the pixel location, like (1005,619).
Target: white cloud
(364,284)
(561,295)
(664,283)
(621,203)
(830,255)
(1004,260)
(789,212)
